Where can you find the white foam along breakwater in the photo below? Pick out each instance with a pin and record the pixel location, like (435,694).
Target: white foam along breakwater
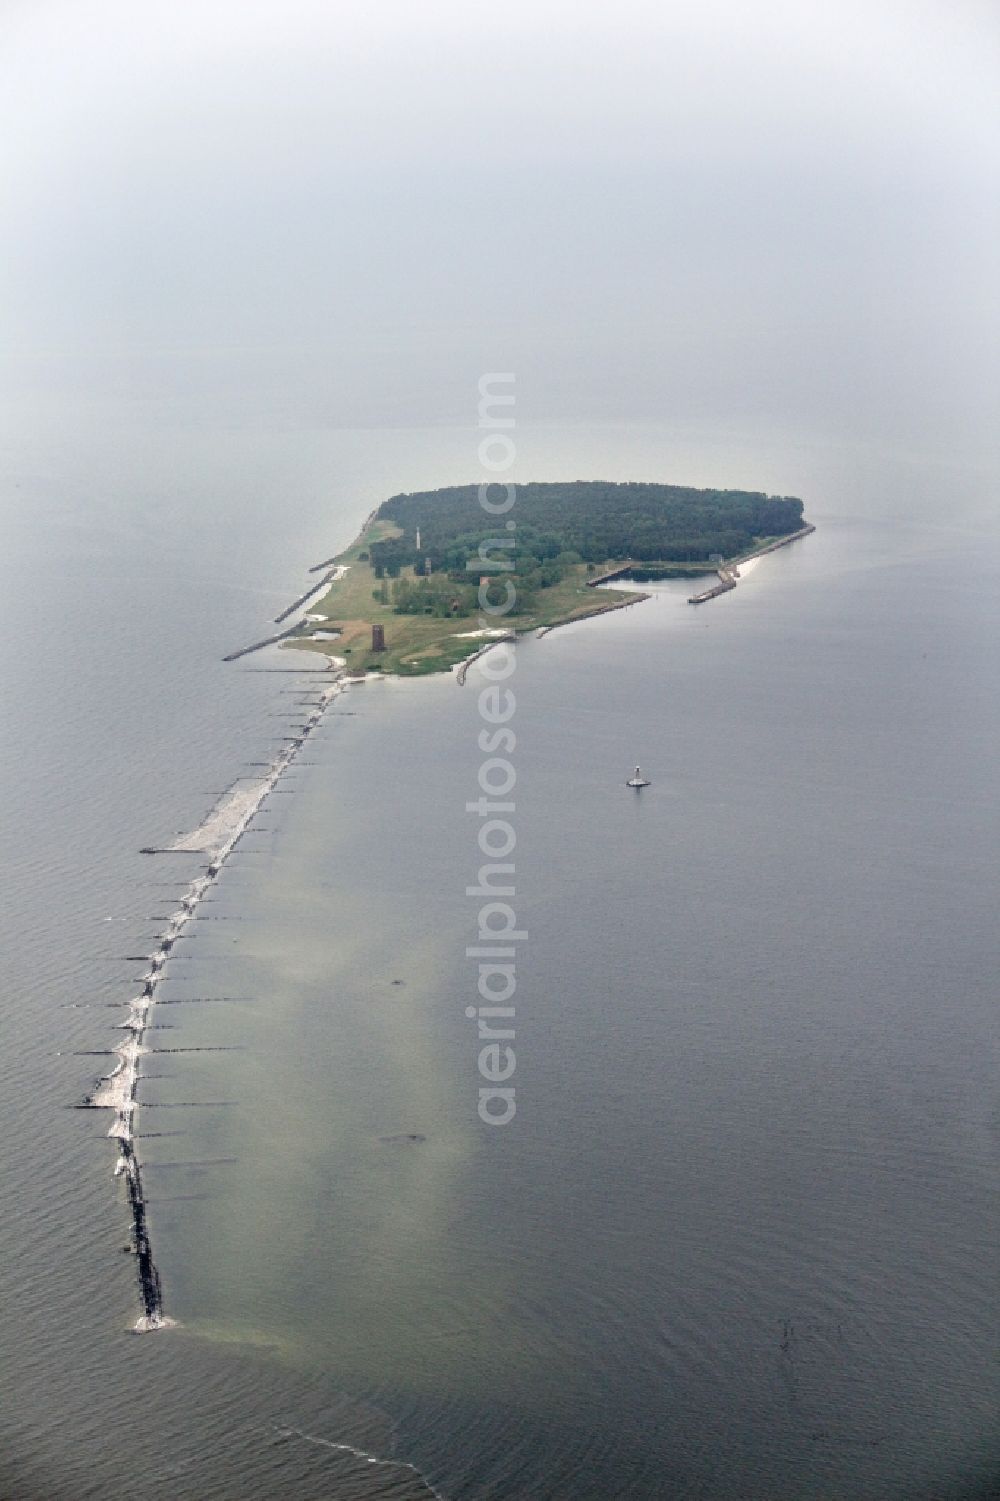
(217,836)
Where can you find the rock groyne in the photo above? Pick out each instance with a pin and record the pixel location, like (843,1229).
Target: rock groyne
(217,836)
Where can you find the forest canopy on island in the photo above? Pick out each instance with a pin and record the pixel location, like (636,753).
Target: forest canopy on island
(584,520)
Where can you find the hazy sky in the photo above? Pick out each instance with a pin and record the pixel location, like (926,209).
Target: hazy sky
(346,211)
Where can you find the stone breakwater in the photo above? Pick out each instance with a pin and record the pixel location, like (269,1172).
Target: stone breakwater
(310,594)
(729,573)
(217,836)
(467,662)
(328,578)
(615,604)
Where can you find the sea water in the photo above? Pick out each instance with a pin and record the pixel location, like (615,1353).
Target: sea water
(738,1239)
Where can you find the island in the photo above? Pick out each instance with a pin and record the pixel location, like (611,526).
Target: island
(405,596)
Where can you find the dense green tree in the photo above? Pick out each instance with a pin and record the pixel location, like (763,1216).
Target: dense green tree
(595,520)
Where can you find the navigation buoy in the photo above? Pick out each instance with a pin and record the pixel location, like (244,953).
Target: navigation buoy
(638,780)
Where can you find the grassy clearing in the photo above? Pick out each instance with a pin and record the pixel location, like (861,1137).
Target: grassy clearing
(419,644)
